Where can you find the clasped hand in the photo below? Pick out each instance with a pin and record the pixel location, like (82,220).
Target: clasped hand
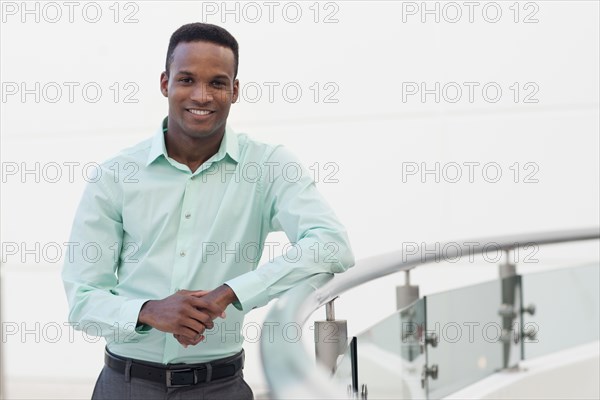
(187,313)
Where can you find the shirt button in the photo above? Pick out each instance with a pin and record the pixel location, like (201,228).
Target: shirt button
(188,215)
(182,253)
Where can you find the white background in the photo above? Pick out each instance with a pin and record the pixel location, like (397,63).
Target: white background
(364,55)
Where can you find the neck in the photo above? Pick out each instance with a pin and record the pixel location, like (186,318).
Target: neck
(192,152)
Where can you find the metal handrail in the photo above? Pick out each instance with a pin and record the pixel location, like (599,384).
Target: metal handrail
(289,369)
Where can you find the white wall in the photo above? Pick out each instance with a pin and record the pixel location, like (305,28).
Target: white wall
(369,54)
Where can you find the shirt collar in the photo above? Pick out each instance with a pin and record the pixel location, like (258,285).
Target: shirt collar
(229,145)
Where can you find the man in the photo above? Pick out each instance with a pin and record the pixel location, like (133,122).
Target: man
(176,226)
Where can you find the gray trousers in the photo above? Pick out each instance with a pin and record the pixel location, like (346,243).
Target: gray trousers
(113,385)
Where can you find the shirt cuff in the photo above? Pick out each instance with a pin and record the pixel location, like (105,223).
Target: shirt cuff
(250,291)
(129,314)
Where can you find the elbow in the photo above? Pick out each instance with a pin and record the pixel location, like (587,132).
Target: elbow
(74,320)
(74,316)
(331,250)
(345,258)
(74,302)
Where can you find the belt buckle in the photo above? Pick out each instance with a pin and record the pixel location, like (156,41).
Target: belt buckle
(169,377)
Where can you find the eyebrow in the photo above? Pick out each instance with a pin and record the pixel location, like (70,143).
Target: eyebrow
(188,73)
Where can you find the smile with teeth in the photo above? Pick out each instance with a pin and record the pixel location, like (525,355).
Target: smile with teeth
(199,112)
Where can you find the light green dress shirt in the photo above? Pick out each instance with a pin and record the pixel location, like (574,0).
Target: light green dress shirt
(147,226)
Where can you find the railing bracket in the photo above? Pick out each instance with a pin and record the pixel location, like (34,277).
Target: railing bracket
(431,372)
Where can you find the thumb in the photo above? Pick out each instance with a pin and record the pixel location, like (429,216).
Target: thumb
(197,293)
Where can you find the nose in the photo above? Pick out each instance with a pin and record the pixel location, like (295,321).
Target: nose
(202,94)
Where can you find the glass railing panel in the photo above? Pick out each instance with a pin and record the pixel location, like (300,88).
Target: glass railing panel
(390,357)
(468,326)
(566,309)
(343,371)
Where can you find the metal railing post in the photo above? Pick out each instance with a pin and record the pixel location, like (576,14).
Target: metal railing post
(510,312)
(406,294)
(331,338)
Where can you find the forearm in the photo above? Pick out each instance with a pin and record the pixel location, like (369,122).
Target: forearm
(315,254)
(106,312)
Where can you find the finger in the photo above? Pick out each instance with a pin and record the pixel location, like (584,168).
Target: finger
(187,334)
(199,339)
(209,325)
(184,341)
(188,342)
(199,293)
(212,309)
(202,317)
(181,340)
(194,325)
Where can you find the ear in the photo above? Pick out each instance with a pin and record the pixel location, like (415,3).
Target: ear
(236,91)
(164,83)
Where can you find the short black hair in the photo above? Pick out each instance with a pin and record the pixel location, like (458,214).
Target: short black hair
(201,32)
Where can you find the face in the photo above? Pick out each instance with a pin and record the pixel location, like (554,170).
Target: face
(200,88)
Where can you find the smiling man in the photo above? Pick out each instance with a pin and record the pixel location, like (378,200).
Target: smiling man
(178,224)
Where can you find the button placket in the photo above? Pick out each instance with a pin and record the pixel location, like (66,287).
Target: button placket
(184,240)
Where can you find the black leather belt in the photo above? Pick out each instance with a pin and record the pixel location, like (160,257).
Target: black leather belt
(176,375)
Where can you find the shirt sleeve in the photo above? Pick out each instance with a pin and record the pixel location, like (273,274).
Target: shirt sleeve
(89,271)
(318,241)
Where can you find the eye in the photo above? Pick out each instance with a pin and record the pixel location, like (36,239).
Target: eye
(185,80)
(218,84)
